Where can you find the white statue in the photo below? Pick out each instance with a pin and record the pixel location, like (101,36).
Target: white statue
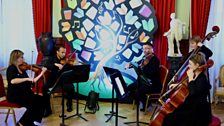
(176,31)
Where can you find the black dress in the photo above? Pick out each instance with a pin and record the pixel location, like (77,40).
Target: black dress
(196,110)
(203,49)
(22,95)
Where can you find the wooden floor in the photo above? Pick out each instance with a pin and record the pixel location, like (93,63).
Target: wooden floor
(97,119)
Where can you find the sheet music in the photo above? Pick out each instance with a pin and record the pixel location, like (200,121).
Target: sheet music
(120,87)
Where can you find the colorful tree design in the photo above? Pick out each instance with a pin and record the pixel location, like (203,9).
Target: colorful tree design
(105,32)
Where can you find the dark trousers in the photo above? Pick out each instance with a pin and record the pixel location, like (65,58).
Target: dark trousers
(34,109)
(68,89)
(142,90)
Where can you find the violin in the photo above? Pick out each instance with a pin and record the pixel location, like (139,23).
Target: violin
(146,60)
(32,67)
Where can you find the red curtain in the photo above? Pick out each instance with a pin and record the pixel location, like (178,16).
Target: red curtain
(42,19)
(163,10)
(199,16)
(62,3)
(42,23)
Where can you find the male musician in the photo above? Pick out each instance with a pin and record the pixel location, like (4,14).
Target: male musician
(149,65)
(56,69)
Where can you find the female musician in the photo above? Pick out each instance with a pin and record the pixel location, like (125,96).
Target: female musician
(150,67)
(56,67)
(196,42)
(196,110)
(19,90)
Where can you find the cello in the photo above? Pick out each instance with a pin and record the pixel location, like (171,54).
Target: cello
(176,96)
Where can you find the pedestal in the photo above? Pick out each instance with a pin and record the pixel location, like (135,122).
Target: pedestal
(174,66)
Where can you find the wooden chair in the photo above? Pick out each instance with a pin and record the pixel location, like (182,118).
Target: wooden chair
(4,104)
(163,76)
(219,86)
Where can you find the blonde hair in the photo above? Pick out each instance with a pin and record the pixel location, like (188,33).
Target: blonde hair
(15,54)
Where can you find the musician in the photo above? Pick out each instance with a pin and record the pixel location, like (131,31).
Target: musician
(19,90)
(149,65)
(56,69)
(196,42)
(196,109)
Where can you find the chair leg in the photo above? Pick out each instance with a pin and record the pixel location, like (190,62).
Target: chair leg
(146,104)
(52,102)
(216,101)
(133,104)
(7,115)
(153,113)
(14,116)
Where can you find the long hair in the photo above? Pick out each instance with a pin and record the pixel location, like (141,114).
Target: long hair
(15,54)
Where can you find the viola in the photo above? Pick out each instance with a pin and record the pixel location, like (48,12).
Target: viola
(32,67)
(146,60)
(69,61)
(177,96)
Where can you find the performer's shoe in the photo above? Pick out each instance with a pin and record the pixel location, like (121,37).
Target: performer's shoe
(142,109)
(69,106)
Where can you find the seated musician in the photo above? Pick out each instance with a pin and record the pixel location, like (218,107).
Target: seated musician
(19,90)
(150,67)
(196,110)
(56,69)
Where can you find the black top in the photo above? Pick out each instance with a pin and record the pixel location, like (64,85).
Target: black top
(208,53)
(50,64)
(196,110)
(152,71)
(198,92)
(17,91)
(55,72)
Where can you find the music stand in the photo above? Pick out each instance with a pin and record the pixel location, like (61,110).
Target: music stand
(76,74)
(142,75)
(118,85)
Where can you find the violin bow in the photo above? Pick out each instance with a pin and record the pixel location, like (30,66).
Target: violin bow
(71,54)
(31,67)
